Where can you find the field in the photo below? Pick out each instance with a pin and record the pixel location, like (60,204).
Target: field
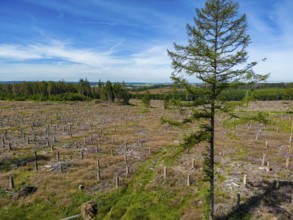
(55,156)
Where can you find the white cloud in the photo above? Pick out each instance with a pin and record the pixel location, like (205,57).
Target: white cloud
(278,63)
(156,55)
(56,49)
(15,53)
(151,64)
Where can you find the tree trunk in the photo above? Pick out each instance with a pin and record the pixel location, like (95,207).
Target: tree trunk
(211,216)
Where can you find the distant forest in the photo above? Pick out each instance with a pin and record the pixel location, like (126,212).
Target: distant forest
(121,92)
(61,91)
(262,92)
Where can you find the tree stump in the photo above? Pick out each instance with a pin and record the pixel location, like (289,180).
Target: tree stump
(89,210)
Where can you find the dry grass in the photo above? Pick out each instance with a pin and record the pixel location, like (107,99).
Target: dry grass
(108,127)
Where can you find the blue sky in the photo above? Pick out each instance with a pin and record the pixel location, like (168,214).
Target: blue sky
(125,39)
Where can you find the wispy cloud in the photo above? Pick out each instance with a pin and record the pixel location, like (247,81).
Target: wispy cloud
(56,49)
(151,64)
(271,30)
(98,22)
(12,52)
(283,16)
(278,63)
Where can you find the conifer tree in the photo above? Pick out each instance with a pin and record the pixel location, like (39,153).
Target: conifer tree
(146,99)
(84,87)
(109,91)
(120,93)
(216,56)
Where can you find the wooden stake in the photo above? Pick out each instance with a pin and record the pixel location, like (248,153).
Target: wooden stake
(263,160)
(193,164)
(291,136)
(268,166)
(256,137)
(58,156)
(238,200)
(11,182)
(36,161)
(127,171)
(98,163)
(188,180)
(244,179)
(165,172)
(117,182)
(99,174)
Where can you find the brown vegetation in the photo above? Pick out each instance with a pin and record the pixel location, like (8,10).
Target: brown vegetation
(129,136)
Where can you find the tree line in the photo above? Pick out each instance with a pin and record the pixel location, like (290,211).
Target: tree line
(62,91)
(261,94)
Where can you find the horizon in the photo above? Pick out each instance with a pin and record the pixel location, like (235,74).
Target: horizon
(125,40)
(125,82)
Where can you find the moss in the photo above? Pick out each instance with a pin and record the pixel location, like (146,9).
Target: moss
(221,178)
(242,153)
(140,200)
(45,209)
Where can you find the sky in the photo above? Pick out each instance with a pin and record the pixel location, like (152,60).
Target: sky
(125,40)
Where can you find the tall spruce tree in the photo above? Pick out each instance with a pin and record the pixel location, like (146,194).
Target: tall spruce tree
(215,55)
